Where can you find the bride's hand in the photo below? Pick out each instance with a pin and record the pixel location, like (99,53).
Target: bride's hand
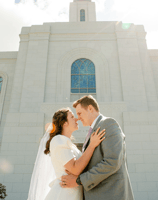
(97,138)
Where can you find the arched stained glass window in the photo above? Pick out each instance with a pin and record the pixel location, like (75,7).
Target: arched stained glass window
(1,81)
(82,15)
(83,76)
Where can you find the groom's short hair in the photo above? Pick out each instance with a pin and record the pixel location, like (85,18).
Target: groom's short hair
(86,101)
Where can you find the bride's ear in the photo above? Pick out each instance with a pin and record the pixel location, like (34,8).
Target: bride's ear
(65,124)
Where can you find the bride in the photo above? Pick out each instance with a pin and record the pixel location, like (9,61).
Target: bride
(56,154)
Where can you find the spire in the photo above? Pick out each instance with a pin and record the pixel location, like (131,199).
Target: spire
(82,11)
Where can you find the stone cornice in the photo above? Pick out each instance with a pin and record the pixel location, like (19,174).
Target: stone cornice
(83,37)
(9,55)
(126,34)
(154,58)
(153,53)
(141,35)
(34,36)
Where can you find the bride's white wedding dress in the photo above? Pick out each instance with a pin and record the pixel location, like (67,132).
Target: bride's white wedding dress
(62,150)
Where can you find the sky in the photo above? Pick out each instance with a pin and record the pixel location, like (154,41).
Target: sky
(15,14)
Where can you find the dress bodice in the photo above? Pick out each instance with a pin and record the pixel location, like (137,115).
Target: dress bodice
(62,150)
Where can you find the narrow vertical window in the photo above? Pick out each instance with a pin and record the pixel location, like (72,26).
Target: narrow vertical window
(82,15)
(1,81)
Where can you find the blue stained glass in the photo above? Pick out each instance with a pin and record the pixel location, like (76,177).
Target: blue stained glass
(91,69)
(83,69)
(1,79)
(87,63)
(83,81)
(0,86)
(78,63)
(82,59)
(75,90)
(83,76)
(91,90)
(75,81)
(82,15)
(91,81)
(74,69)
(83,90)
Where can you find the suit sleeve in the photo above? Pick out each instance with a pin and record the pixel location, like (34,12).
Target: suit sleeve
(112,150)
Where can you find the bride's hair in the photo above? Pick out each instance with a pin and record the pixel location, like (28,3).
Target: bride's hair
(59,118)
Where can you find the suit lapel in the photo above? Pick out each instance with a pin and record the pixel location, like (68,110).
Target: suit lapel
(93,130)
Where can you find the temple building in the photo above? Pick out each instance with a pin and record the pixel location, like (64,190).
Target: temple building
(58,63)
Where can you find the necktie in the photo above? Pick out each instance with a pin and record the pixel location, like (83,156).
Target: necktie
(87,137)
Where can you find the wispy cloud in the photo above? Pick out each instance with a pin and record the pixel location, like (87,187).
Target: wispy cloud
(143,12)
(26,13)
(14,16)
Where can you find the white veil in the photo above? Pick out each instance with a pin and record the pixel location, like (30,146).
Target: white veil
(43,172)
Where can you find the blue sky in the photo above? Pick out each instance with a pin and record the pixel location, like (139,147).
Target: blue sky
(14,15)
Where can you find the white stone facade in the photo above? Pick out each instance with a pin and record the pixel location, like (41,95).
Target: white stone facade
(37,82)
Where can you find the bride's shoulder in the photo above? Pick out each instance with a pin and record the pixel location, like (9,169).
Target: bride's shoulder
(61,140)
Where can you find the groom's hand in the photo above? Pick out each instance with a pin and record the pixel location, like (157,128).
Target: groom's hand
(68,181)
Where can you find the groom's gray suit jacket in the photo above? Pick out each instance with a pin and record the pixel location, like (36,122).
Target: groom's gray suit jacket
(106,176)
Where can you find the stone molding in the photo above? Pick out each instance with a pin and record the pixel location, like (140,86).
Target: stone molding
(34,36)
(9,55)
(141,35)
(84,37)
(102,73)
(126,34)
(130,34)
(24,37)
(154,58)
(153,52)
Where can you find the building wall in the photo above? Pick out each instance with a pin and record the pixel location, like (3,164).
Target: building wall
(154,63)
(39,83)
(7,70)
(141,130)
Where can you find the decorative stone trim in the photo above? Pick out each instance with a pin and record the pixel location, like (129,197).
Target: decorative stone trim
(82,36)
(141,35)
(153,52)
(154,58)
(64,68)
(8,55)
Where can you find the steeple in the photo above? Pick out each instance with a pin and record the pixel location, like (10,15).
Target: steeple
(82,11)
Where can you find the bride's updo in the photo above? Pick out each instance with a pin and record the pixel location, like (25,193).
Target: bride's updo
(59,118)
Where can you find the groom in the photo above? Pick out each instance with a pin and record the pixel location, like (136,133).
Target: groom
(106,176)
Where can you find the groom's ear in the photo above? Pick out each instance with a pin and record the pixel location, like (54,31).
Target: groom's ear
(91,108)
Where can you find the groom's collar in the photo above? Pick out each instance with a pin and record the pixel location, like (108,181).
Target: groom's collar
(94,122)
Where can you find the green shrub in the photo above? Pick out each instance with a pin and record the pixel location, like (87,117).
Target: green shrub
(2,191)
